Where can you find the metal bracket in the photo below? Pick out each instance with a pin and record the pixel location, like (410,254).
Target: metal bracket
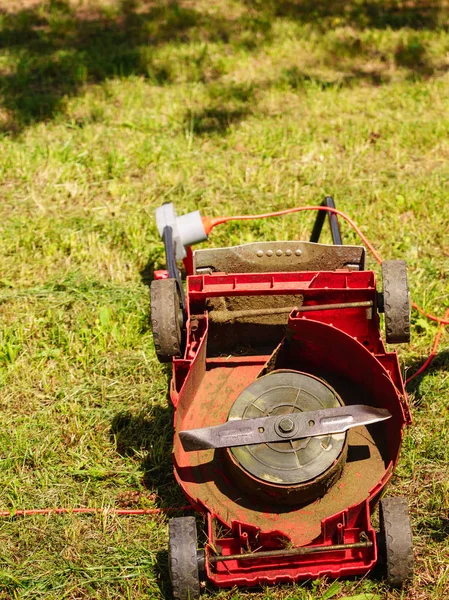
(289,256)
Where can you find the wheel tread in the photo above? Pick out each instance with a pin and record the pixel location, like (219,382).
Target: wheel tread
(183,558)
(164,301)
(395,523)
(396,301)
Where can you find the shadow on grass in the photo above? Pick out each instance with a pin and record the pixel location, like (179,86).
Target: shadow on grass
(53,50)
(56,51)
(163,574)
(149,436)
(147,273)
(376,14)
(227,105)
(439,364)
(296,79)
(439,529)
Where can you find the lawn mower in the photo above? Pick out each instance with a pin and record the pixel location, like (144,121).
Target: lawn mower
(289,411)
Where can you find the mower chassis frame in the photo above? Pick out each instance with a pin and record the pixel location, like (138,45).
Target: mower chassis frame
(245,554)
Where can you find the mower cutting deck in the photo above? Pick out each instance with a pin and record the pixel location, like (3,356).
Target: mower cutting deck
(289,411)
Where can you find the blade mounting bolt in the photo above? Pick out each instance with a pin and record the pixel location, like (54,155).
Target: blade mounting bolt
(286,425)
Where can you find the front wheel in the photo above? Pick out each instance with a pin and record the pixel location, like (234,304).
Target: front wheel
(183,558)
(396,536)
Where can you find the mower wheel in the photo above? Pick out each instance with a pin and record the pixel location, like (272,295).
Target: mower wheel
(396,535)
(166,318)
(396,297)
(183,559)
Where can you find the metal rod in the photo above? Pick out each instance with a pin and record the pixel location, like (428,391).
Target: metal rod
(292,552)
(366,304)
(227,316)
(318,226)
(170,258)
(167,236)
(333,222)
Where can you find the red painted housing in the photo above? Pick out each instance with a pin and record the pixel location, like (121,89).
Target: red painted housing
(343,346)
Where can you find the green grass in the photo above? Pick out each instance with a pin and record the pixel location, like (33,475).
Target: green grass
(230,106)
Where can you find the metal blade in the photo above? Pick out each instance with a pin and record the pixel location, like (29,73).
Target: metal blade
(292,426)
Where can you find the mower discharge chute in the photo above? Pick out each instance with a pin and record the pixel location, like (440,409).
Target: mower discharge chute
(289,410)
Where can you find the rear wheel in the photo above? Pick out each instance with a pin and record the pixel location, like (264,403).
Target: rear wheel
(396,536)
(166,319)
(183,558)
(396,301)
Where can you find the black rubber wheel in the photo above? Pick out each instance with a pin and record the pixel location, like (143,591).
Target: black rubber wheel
(166,319)
(396,536)
(182,558)
(396,297)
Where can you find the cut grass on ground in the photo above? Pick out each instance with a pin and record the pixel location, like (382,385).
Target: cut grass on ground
(108,109)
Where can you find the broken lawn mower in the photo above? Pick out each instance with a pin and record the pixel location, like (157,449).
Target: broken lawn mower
(289,411)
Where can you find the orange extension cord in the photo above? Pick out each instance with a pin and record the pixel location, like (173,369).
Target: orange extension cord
(209,224)
(90,511)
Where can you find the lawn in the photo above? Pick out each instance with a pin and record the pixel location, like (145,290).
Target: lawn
(108,109)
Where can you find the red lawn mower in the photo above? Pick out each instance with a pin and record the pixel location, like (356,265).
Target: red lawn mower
(289,411)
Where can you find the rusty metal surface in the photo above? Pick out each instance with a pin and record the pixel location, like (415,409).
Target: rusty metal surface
(203,474)
(260,320)
(263,257)
(302,551)
(288,472)
(229,316)
(207,400)
(342,347)
(337,305)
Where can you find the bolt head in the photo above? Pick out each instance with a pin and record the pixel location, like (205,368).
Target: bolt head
(286,425)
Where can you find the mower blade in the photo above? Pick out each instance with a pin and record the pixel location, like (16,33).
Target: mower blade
(281,428)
